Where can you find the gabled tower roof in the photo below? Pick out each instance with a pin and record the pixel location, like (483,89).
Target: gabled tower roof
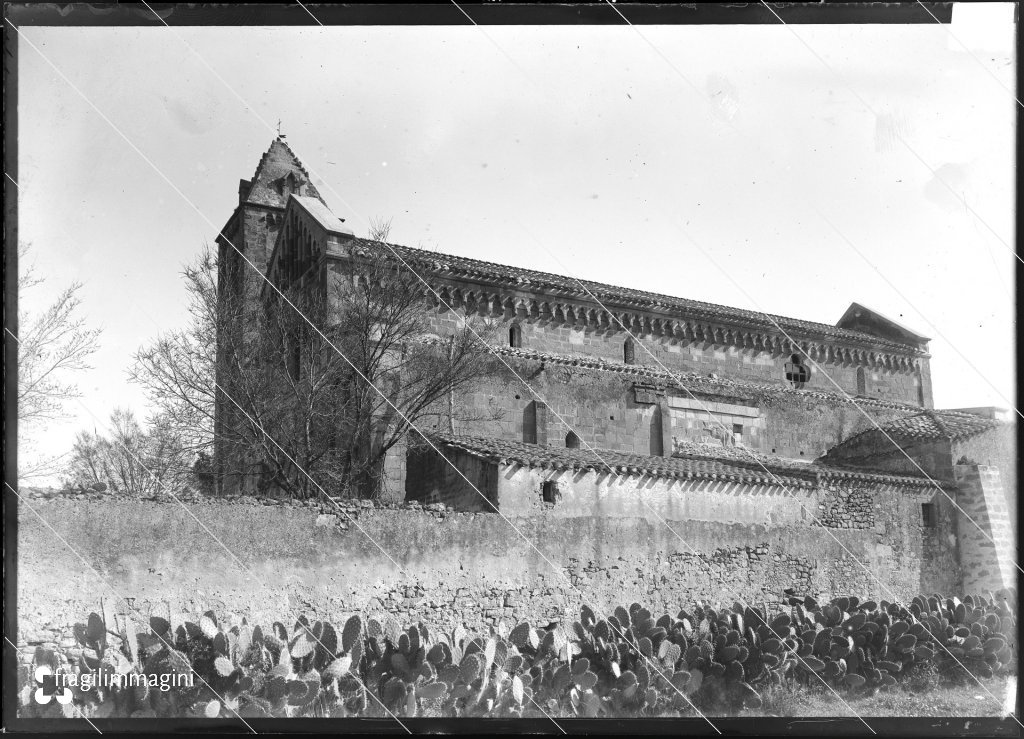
(270,186)
(867,320)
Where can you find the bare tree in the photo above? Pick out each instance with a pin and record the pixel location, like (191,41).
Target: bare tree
(399,378)
(53,345)
(131,459)
(178,368)
(87,464)
(379,228)
(313,389)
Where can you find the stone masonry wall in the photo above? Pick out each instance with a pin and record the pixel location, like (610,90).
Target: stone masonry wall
(599,406)
(254,232)
(996,448)
(806,427)
(904,457)
(987,547)
(941,547)
(605,409)
(607,412)
(260,228)
(849,505)
(693,356)
(415,563)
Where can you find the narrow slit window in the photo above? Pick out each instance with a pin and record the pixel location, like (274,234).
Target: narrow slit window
(549,491)
(515,336)
(929,515)
(294,359)
(530,423)
(629,352)
(862,385)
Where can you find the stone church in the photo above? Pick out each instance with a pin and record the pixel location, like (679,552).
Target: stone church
(701,414)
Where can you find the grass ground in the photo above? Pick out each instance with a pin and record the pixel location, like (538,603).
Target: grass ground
(961,701)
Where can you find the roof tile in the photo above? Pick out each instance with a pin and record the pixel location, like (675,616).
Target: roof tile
(690,461)
(457,267)
(932,424)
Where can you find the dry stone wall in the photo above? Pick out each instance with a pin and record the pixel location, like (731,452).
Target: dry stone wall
(848,506)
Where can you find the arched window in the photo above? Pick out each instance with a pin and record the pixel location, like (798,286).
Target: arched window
(862,385)
(515,336)
(572,441)
(629,352)
(530,423)
(797,373)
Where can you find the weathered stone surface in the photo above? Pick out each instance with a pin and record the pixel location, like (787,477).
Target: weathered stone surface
(721,371)
(437,566)
(654,373)
(986,540)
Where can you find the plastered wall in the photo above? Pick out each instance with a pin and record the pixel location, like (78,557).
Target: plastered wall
(437,566)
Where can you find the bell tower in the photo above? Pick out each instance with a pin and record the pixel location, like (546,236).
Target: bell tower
(245,245)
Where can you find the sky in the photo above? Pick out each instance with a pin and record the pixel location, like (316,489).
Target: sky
(792,170)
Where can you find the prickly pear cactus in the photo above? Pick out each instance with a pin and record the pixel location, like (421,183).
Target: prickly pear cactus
(626,661)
